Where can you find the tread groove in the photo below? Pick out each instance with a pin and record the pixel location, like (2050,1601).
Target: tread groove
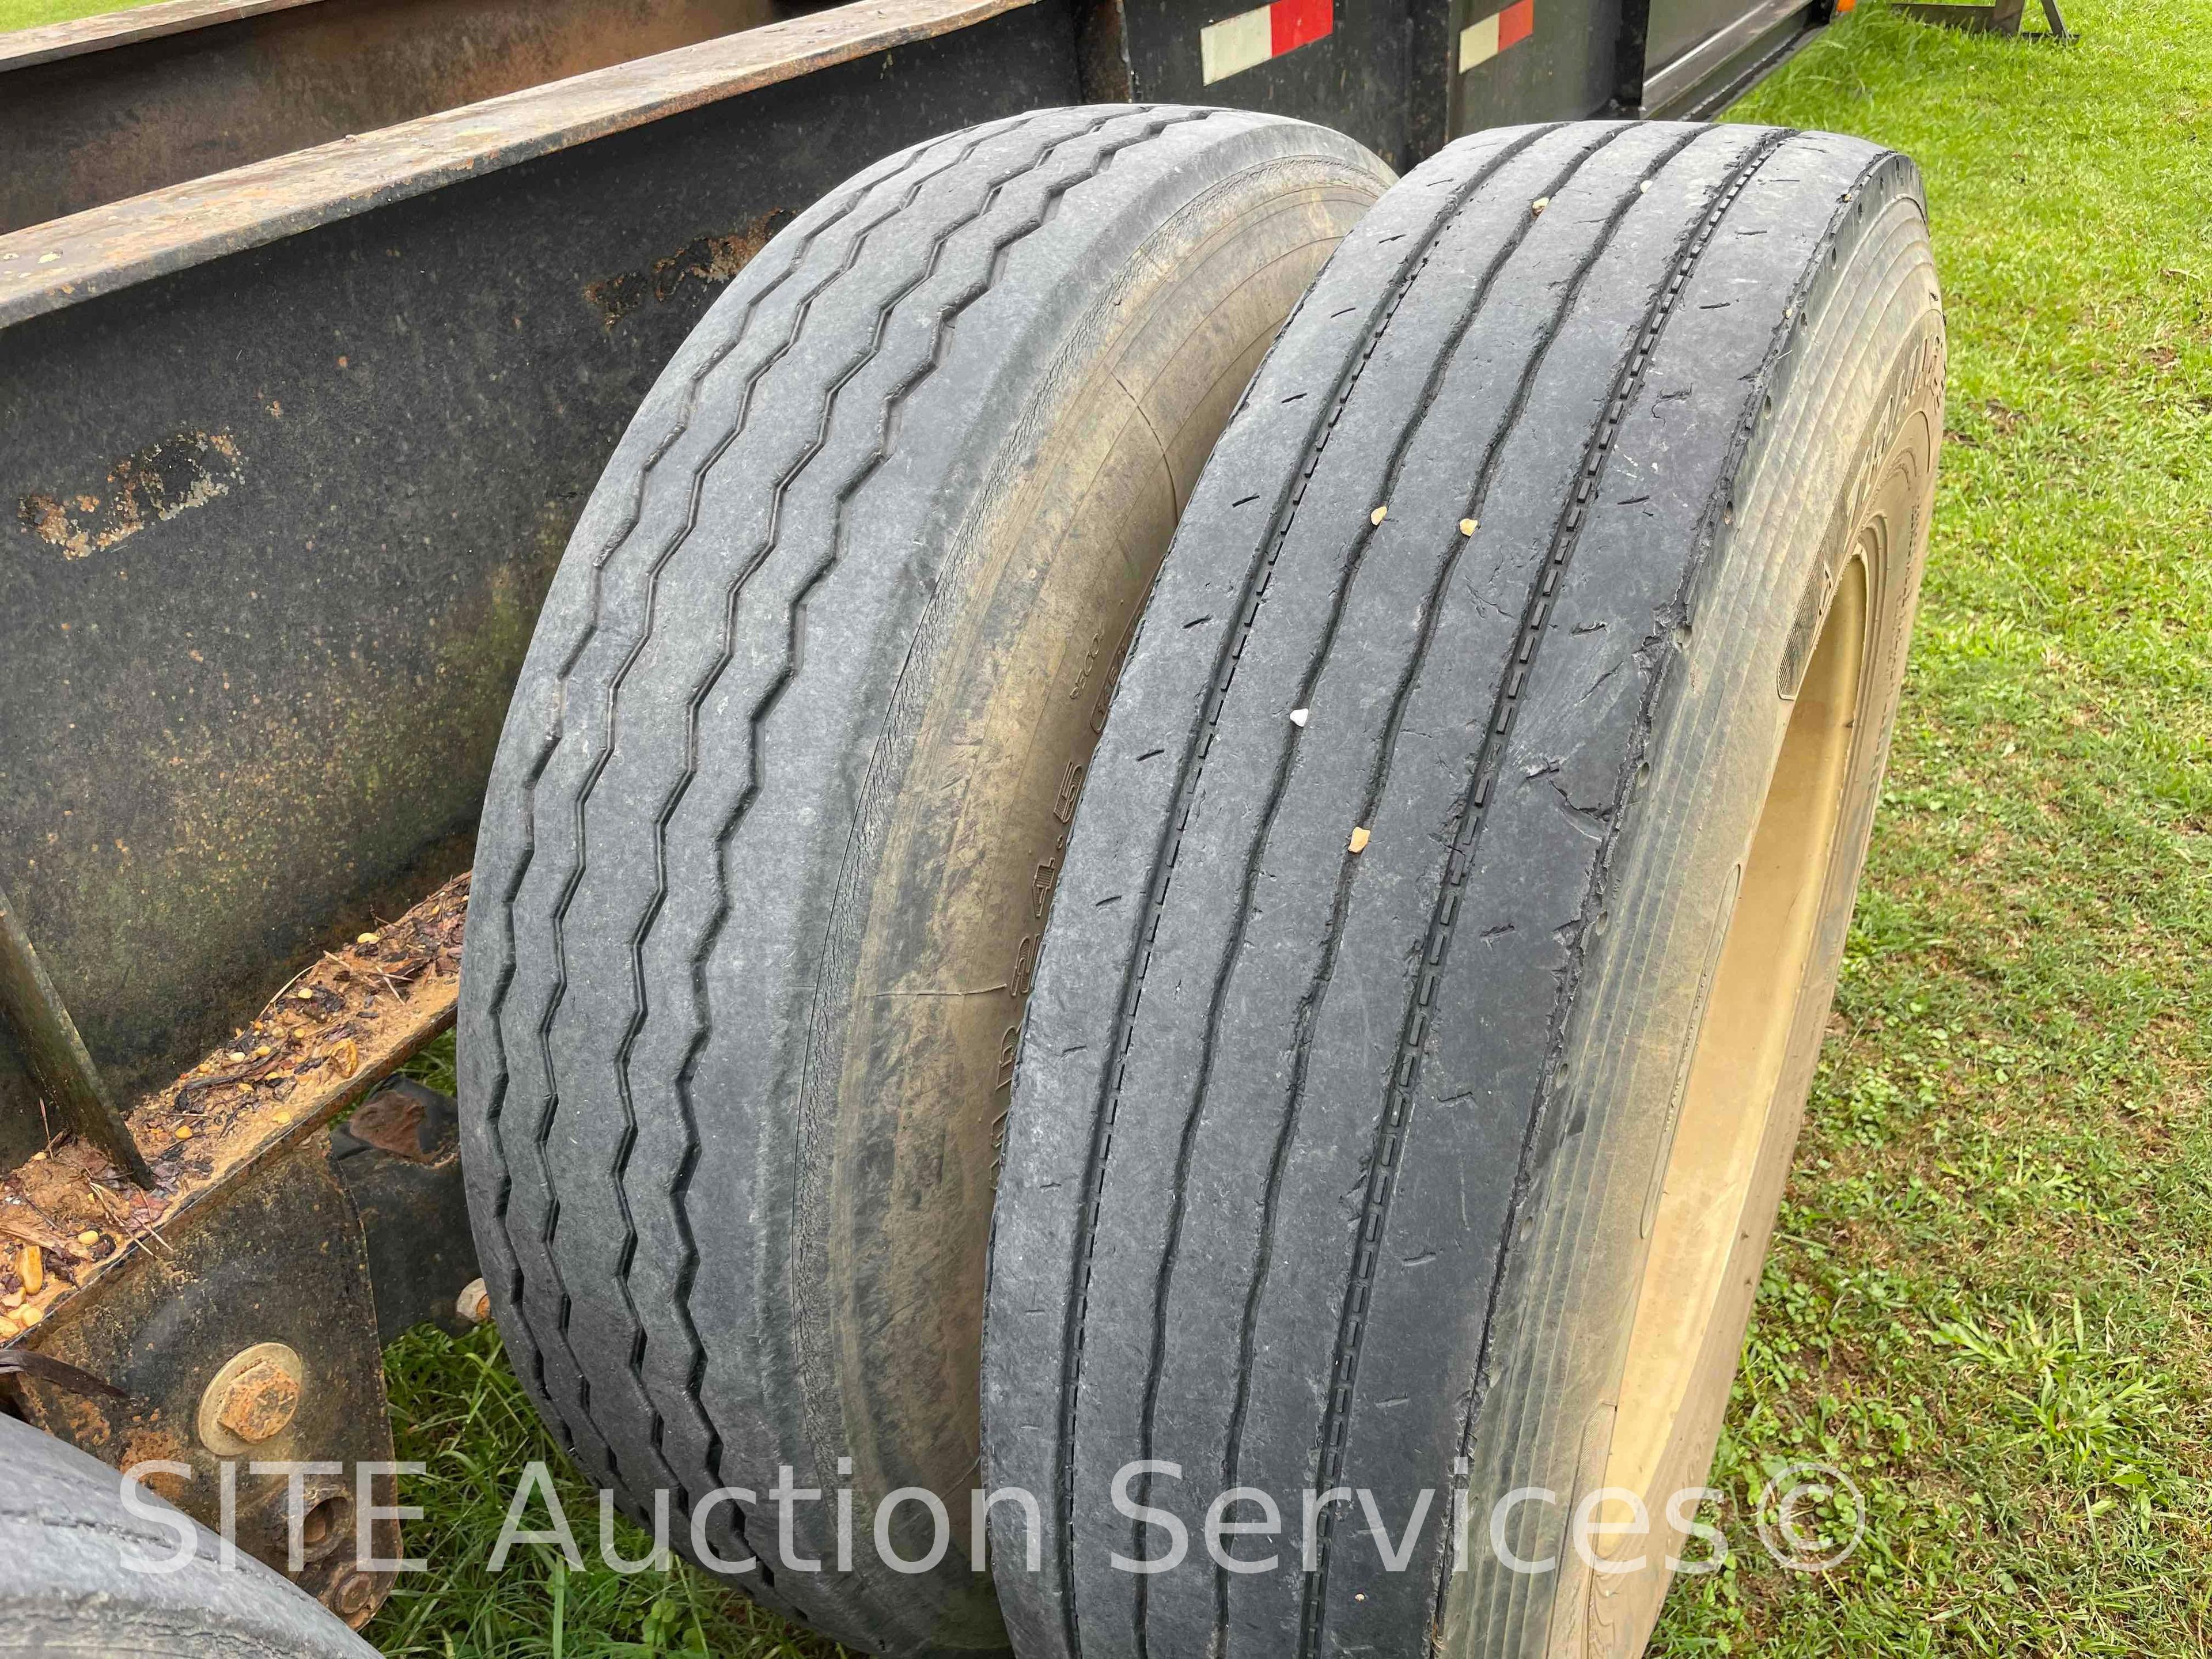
(1192,765)
(1717,512)
(494,1109)
(1489,756)
(766,705)
(920,167)
(1308,1006)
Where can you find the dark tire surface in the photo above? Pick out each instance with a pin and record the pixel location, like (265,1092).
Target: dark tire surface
(1327,1164)
(775,818)
(66,1588)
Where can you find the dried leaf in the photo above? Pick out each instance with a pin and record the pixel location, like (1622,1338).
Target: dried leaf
(16,1225)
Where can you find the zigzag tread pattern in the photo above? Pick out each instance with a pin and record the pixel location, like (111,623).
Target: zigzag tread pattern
(542,1323)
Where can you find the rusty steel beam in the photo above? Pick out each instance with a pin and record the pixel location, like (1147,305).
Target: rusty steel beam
(314,1053)
(70,260)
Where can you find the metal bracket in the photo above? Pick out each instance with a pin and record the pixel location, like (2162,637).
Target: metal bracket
(399,1157)
(276,1260)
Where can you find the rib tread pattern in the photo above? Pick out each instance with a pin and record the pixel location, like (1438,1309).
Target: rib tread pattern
(1470,819)
(1094,1009)
(1192,768)
(1217,1001)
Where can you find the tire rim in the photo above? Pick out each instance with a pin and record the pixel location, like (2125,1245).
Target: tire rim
(1673,1361)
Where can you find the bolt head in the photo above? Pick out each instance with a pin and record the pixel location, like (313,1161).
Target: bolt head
(354,1598)
(259,1402)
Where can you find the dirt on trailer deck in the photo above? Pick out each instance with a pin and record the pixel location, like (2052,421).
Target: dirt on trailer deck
(341,1026)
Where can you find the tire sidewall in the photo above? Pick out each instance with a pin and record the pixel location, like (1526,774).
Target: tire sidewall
(861,1134)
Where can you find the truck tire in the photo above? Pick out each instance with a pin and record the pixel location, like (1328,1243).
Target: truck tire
(774,821)
(1453,909)
(78,1572)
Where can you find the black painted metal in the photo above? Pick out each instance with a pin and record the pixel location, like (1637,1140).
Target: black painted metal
(1356,79)
(414,1211)
(1719,65)
(274,528)
(1567,68)
(46,1043)
(283,476)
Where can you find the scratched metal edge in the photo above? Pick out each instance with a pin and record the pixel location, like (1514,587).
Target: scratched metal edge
(22,48)
(114,246)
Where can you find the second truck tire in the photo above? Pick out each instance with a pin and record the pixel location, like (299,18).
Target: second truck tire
(1452,914)
(776,818)
(86,1572)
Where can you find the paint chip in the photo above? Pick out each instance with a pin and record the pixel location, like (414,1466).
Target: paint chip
(1359,839)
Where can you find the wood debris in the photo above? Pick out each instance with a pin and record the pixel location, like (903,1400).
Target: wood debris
(342,1024)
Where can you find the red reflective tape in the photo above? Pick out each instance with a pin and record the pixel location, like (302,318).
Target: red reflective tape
(1515,23)
(1296,23)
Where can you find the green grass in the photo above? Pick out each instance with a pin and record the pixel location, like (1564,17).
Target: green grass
(457,1407)
(29,13)
(1992,1294)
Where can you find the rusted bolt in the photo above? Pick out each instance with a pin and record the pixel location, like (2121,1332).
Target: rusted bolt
(354,1598)
(474,1303)
(253,1399)
(259,1402)
(322,1527)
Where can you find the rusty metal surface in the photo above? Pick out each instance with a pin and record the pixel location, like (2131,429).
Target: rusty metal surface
(234,1305)
(273,1263)
(102,249)
(146,111)
(274,529)
(49,42)
(399,1157)
(404,1119)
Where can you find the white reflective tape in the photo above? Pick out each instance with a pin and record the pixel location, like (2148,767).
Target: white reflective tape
(1477,43)
(1237,44)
